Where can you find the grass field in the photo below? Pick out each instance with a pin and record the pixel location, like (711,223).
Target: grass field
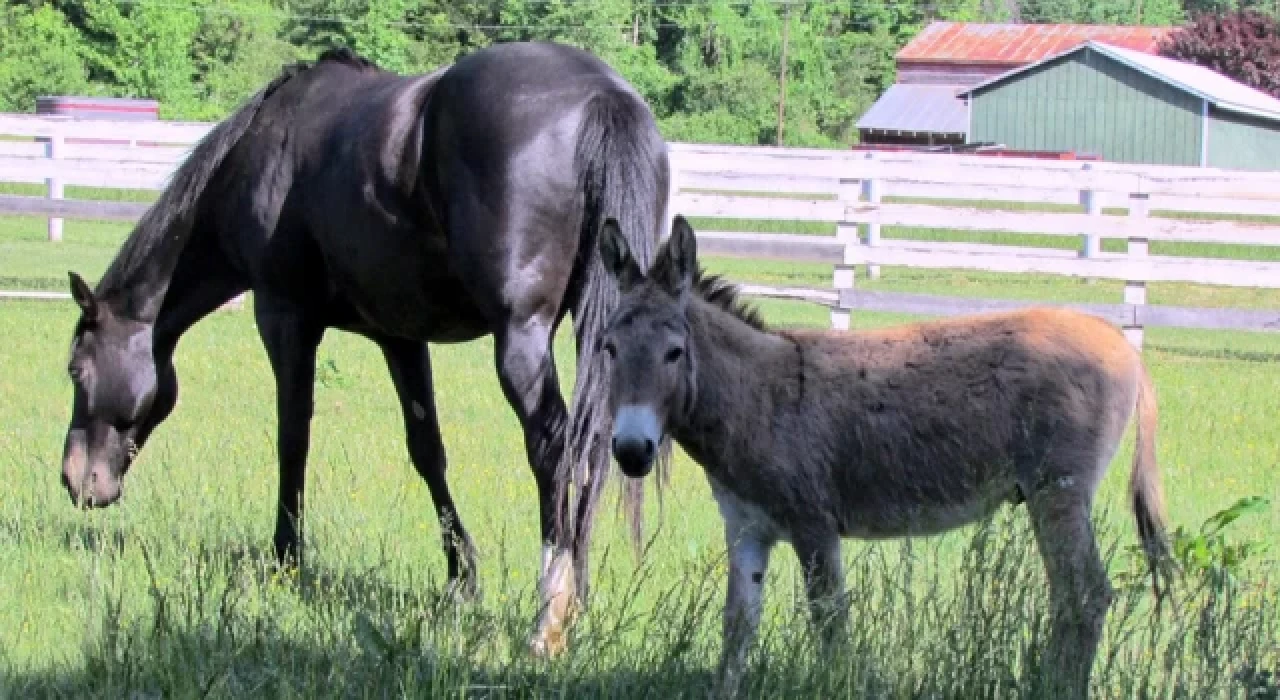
(170,593)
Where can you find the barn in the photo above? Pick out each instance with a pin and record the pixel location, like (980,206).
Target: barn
(1127,106)
(946,57)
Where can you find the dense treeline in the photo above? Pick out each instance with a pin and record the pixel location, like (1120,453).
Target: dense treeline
(709,68)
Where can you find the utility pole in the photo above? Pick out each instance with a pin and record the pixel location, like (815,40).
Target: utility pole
(782,69)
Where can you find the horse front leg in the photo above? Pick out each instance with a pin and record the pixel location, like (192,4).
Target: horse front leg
(527,372)
(291,341)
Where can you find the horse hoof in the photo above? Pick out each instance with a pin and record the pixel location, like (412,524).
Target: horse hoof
(462,591)
(547,645)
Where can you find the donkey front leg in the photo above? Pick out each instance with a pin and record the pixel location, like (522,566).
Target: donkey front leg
(749,550)
(824,586)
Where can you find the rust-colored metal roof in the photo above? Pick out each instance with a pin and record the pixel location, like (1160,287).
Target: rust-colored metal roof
(1018,44)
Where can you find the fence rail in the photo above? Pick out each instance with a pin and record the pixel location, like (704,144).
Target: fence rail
(856,192)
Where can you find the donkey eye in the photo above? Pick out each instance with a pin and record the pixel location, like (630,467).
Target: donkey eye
(610,348)
(674,354)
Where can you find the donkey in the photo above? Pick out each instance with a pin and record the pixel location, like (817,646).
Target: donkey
(812,436)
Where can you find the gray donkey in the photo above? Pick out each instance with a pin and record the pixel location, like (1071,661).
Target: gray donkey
(809,436)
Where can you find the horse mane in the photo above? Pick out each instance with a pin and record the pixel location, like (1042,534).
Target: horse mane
(347,57)
(717,290)
(167,224)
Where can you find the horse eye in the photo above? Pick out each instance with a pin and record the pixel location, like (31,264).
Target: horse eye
(674,354)
(610,348)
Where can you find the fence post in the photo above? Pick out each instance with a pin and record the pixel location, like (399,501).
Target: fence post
(53,151)
(1091,200)
(871,193)
(1135,291)
(848,193)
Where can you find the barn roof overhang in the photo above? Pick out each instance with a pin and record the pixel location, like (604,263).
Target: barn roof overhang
(917,109)
(1208,85)
(1019,44)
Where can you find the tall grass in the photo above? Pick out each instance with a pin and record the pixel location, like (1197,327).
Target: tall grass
(936,618)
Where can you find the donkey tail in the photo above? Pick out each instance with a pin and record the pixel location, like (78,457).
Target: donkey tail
(623,161)
(1147,492)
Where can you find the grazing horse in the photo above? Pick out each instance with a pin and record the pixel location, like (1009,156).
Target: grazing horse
(408,209)
(812,436)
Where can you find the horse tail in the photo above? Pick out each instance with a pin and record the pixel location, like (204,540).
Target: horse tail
(622,159)
(1146,490)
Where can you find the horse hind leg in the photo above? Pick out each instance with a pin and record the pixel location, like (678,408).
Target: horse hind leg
(1080,594)
(527,373)
(410,366)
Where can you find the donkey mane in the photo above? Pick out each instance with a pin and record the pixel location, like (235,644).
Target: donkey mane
(726,295)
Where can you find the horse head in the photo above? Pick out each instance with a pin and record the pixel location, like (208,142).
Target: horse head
(113,372)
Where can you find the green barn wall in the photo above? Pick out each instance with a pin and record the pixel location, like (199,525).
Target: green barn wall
(1089,103)
(1244,142)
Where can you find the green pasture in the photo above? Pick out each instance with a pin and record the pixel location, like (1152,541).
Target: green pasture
(170,594)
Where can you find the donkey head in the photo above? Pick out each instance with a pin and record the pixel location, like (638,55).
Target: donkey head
(113,372)
(648,343)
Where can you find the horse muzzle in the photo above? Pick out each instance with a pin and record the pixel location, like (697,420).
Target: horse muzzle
(90,484)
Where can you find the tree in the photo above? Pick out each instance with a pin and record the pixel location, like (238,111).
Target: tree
(1244,45)
(40,54)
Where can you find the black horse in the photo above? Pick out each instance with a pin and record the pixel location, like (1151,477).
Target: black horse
(431,208)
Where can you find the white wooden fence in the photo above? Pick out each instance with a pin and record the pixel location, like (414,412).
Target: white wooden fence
(849,189)
(857,192)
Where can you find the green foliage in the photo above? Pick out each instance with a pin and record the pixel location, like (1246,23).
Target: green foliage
(712,70)
(1210,554)
(235,52)
(40,54)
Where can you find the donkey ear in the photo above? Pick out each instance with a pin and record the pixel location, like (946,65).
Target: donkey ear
(678,260)
(83,296)
(616,256)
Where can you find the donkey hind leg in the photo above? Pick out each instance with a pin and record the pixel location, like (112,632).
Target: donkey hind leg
(749,548)
(527,372)
(410,366)
(1079,591)
(291,341)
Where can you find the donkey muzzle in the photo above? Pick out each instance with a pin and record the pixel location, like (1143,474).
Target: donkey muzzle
(636,433)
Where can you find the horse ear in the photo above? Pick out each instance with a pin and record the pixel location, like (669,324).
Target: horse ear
(616,256)
(678,260)
(83,296)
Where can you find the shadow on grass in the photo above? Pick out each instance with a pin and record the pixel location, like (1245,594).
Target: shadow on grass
(1221,353)
(220,621)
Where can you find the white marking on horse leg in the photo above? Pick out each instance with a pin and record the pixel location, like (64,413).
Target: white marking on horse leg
(558,598)
(419,411)
(548,553)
